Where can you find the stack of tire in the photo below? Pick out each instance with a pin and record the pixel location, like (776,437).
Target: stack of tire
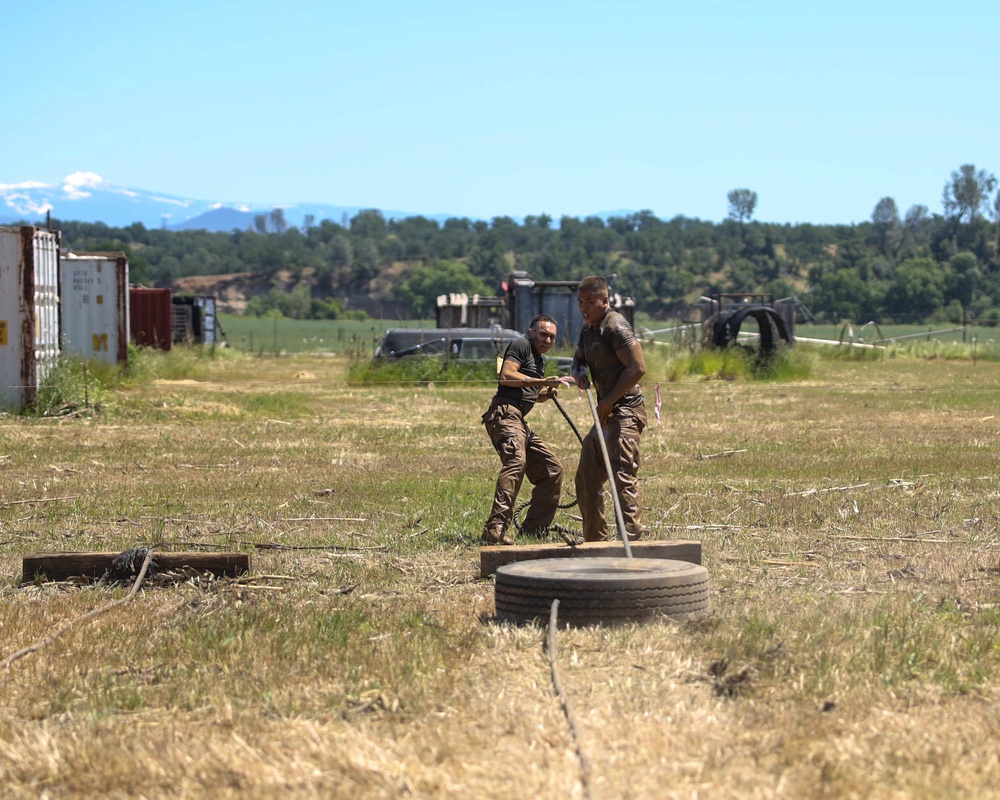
(601,591)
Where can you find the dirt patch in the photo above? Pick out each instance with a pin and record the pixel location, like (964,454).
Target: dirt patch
(232,290)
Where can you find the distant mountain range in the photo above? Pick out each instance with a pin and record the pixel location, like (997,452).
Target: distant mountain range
(87,197)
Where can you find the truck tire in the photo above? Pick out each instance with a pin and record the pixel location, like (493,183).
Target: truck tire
(601,590)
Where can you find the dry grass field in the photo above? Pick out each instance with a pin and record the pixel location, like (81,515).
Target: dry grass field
(849,524)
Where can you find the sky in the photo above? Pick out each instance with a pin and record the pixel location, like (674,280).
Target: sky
(507,108)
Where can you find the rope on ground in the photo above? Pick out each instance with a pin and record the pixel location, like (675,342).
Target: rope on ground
(560,529)
(65,626)
(564,702)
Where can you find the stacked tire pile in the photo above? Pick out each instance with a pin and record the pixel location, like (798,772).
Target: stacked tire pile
(601,590)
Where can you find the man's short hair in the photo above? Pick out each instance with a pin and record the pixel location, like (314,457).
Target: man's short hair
(595,284)
(541,318)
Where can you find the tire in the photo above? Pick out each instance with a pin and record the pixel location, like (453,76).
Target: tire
(601,590)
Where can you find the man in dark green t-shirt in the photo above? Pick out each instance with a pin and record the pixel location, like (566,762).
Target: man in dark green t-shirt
(609,348)
(522,453)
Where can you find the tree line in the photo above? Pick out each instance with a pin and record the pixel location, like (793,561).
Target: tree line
(909,267)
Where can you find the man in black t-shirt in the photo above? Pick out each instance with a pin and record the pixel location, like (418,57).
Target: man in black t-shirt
(609,348)
(522,453)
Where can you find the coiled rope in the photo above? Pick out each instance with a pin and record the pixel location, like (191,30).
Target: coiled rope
(563,531)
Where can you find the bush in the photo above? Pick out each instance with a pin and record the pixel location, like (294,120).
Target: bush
(419,369)
(75,386)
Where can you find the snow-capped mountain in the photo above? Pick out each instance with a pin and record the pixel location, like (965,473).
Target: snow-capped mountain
(87,197)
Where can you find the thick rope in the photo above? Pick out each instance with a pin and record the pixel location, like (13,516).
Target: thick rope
(564,702)
(563,531)
(65,626)
(568,418)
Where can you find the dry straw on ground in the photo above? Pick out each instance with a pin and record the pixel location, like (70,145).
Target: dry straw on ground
(848,523)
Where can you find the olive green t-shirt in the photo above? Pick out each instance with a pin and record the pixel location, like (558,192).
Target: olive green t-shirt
(600,342)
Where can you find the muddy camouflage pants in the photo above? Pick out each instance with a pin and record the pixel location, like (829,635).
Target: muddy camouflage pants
(622,437)
(522,454)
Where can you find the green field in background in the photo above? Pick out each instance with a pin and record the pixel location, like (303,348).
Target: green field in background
(283,335)
(359,337)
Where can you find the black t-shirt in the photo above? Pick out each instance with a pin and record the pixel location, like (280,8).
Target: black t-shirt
(531,363)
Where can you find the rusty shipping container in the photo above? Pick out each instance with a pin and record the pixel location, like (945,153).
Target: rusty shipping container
(95,306)
(29,312)
(150,317)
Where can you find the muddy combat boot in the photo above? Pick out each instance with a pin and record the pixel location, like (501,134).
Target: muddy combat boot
(495,536)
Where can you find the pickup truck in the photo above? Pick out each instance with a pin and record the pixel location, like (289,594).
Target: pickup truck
(463,344)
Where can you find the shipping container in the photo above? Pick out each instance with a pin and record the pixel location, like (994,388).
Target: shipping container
(194,319)
(29,312)
(461,311)
(149,317)
(527,298)
(95,306)
(522,301)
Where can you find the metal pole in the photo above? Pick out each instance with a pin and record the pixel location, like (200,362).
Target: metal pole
(619,519)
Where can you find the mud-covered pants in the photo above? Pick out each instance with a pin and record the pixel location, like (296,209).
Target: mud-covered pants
(622,437)
(522,454)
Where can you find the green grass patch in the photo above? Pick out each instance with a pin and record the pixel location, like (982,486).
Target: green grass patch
(268,335)
(76,385)
(730,364)
(419,369)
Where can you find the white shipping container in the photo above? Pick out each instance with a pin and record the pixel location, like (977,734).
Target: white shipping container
(94,290)
(208,318)
(29,312)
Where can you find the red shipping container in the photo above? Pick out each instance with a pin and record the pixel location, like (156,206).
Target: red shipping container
(150,317)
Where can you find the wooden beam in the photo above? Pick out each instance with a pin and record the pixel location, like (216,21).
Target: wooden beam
(60,566)
(491,557)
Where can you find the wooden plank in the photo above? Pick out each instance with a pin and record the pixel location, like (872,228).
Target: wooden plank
(60,566)
(491,557)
